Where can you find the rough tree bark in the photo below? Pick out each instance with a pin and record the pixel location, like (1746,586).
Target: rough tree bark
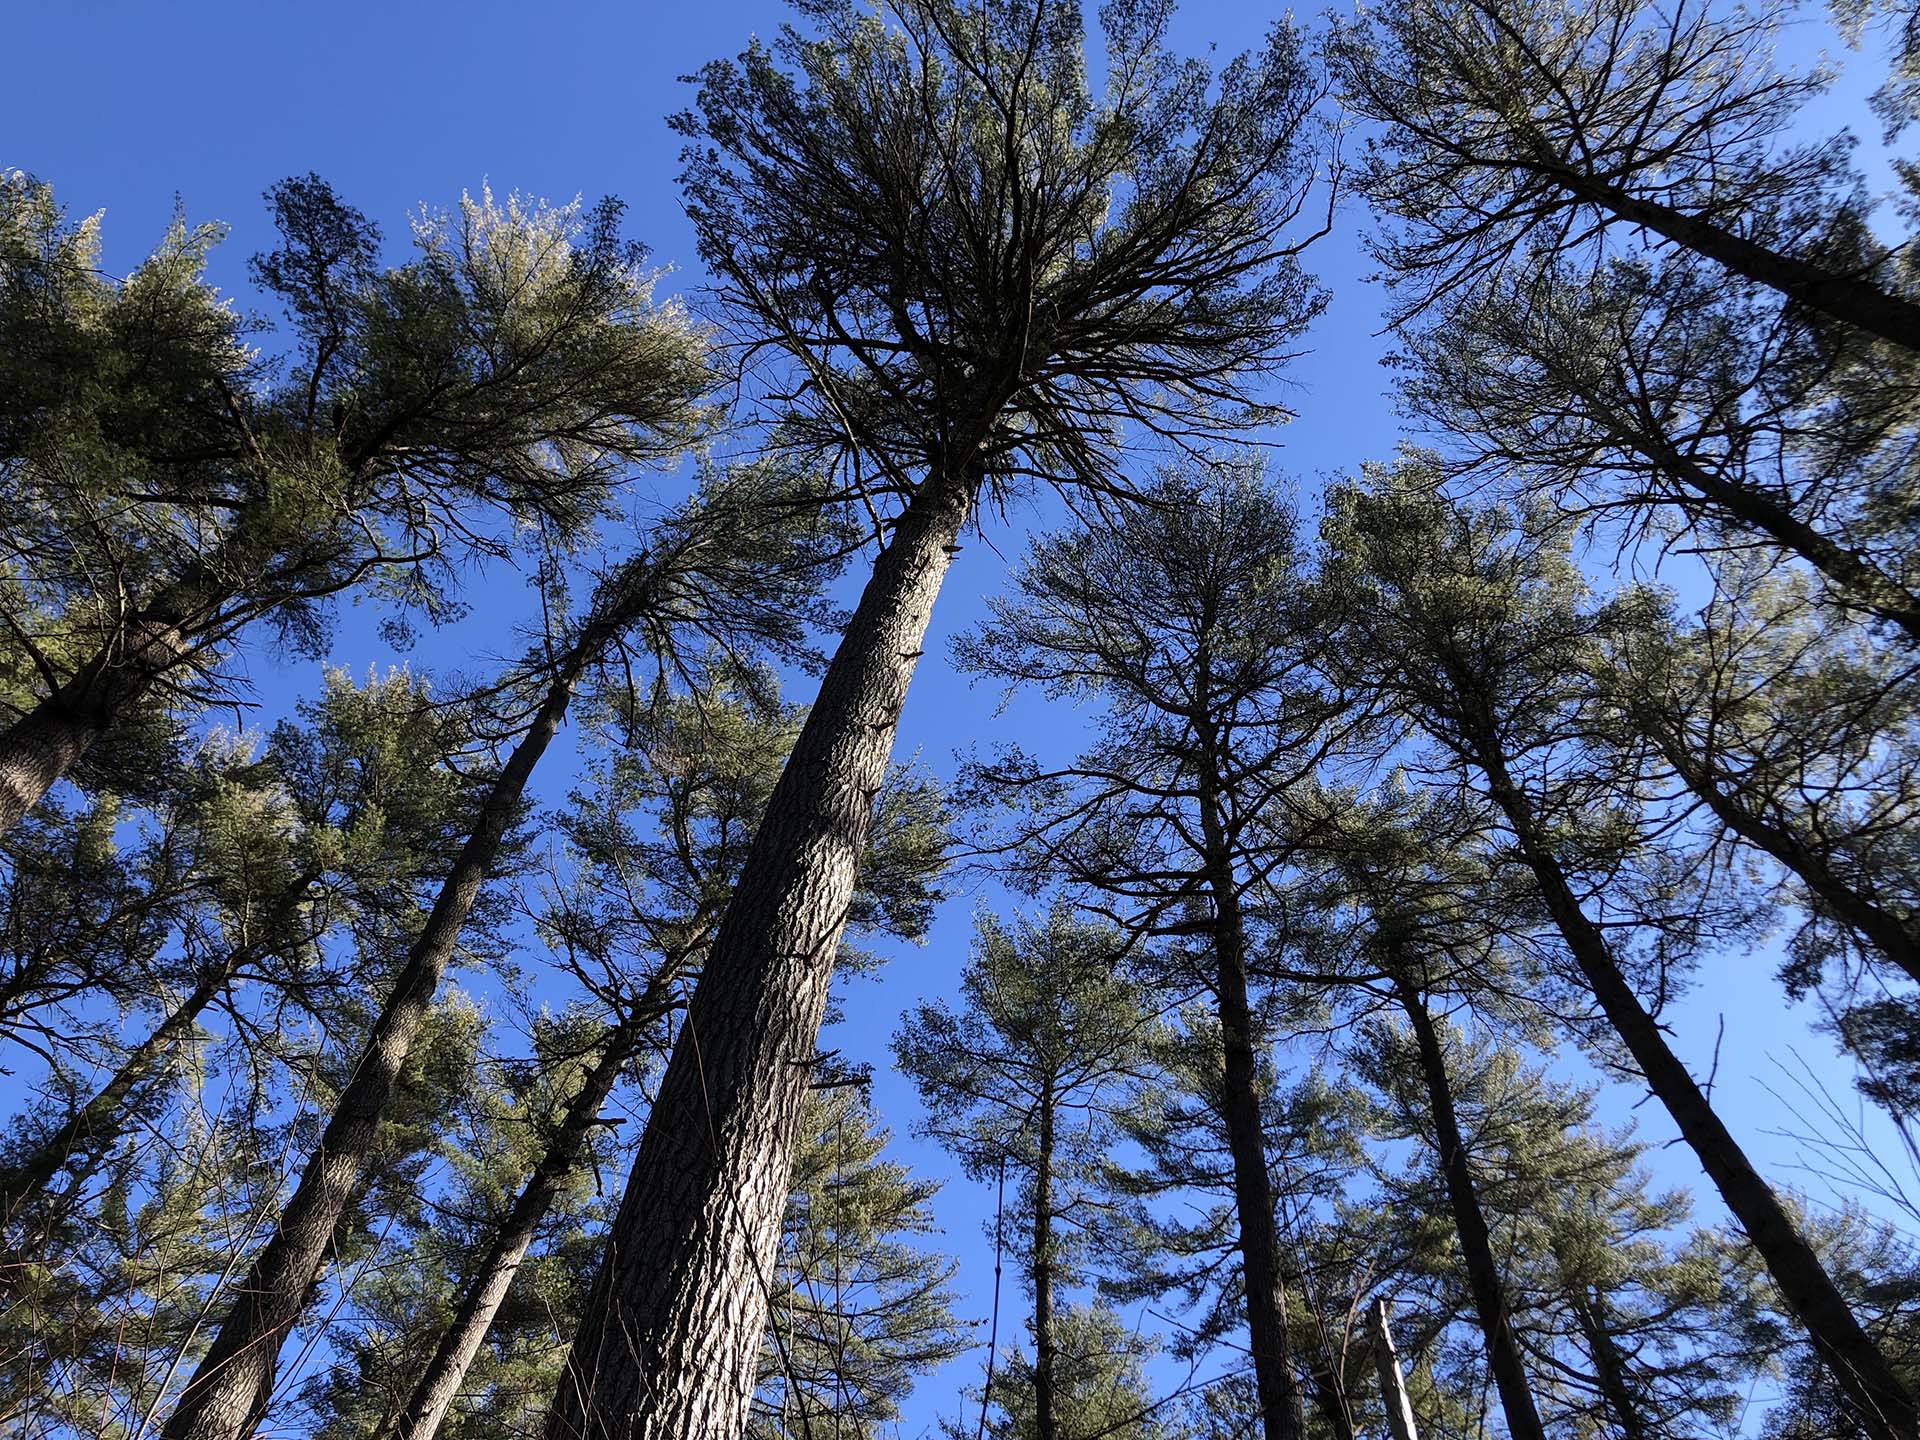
(1882,1403)
(233,1385)
(1277,1388)
(668,1345)
(1895,936)
(487,1287)
(45,743)
(1470,1223)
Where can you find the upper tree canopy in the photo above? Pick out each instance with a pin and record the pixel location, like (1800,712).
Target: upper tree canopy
(973,262)
(163,467)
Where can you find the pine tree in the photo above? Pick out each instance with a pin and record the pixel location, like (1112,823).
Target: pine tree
(1483,626)
(915,210)
(706,577)
(1190,620)
(517,365)
(857,1309)
(1513,128)
(1025,1078)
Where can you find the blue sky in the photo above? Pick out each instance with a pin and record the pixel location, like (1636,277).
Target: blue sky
(124,106)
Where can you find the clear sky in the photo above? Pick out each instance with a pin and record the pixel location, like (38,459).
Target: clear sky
(127,104)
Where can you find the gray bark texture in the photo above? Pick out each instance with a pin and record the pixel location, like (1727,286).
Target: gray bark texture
(668,1347)
(1882,1403)
(1470,1223)
(233,1385)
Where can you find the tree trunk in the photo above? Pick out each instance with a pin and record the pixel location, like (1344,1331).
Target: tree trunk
(668,1346)
(1895,936)
(1046,1403)
(102,1119)
(1882,1403)
(1852,301)
(233,1385)
(1609,1366)
(1854,576)
(1476,1241)
(1278,1391)
(1329,1391)
(1393,1385)
(440,1385)
(43,744)
(1275,1385)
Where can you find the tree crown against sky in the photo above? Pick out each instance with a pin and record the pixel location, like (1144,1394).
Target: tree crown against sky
(962,252)
(1044,295)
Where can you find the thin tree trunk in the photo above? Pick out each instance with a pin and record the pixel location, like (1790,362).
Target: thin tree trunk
(1609,1366)
(1854,575)
(233,1385)
(1329,1391)
(102,1119)
(1046,1403)
(1895,936)
(1252,1193)
(668,1345)
(1469,1221)
(1393,1385)
(440,1385)
(1852,301)
(98,1122)
(1275,1385)
(44,744)
(1882,1403)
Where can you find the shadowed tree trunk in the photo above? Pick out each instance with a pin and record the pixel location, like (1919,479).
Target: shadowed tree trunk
(1847,298)
(1609,1365)
(1882,1403)
(1275,1384)
(102,1119)
(1476,1241)
(1895,936)
(233,1385)
(439,1386)
(1854,575)
(670,1339)
(1046,1402)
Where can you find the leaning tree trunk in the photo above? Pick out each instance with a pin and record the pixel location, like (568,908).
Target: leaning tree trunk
(1470,1222)
(1046,1399)
(102,1119)
(1882,1403)
(668,1345)
(1852,301)
(233,1385)
(45,743)
(1275,1384)
(1856,579)
(487,1287)
(1895,936)
(1609,1365)
(1393,1385)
